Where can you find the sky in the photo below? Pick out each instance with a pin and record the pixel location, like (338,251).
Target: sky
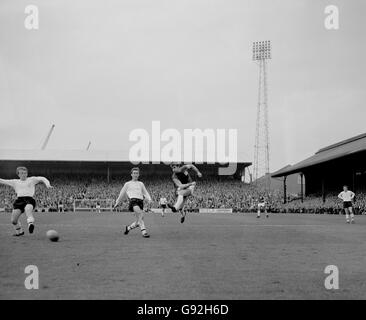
(101,69)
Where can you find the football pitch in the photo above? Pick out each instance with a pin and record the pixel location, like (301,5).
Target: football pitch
(210,256)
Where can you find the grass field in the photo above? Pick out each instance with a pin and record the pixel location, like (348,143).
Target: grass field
(210,256)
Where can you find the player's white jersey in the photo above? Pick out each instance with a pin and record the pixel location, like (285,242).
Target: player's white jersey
(25,188)
(261,202)
(163,201)
(134,189)
(346,196)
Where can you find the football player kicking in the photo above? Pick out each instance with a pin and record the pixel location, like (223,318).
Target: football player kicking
(136,192)
(24,188)
(184,186)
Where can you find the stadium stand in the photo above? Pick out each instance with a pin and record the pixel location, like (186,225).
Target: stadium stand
(342,163)
(92,176)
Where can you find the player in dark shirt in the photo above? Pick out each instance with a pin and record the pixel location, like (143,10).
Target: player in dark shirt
(184,186)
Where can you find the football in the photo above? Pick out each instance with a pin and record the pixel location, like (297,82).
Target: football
(52,235)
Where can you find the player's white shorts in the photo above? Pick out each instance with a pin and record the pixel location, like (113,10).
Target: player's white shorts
(261,205)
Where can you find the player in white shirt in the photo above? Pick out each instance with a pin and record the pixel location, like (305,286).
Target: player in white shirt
(136,192)
(163,204)
(347,197)
(24,188)
(97,207)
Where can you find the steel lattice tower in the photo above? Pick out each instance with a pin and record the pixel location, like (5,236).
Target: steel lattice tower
(261,53)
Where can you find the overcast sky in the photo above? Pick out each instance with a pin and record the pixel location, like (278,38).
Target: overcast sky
(99,69)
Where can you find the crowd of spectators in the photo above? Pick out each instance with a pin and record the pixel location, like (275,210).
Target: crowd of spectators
(218,192)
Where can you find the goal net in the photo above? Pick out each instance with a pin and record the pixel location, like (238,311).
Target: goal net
(93,205)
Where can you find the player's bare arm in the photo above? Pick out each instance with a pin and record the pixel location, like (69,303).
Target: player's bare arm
(146,193)
(121,196)
(6,182)
(43,180)
(191,167)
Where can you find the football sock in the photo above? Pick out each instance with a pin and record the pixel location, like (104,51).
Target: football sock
(18,228)
(142,227)
(30,219)
(347,217)
(133,225)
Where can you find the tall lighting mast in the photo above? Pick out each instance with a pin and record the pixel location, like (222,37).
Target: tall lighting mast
(261,53)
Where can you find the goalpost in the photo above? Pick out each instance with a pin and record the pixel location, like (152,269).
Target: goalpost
(91,205)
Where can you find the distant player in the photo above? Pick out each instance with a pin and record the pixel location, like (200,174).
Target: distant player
(184,186)
(24,188)
(347,197)
(135,191)
(60,206)
(97,207)
(262,206)
(163,204)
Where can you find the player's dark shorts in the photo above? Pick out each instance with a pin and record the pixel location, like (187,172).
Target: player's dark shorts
(21,202)
(347,204)
(136,202)
(163,206)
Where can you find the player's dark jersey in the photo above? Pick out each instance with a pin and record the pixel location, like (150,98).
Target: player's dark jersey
(184,177)
(262,200)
